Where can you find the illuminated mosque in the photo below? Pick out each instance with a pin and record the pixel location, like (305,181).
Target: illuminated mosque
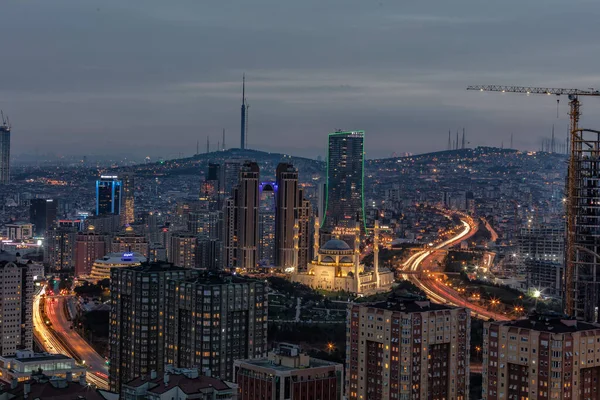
(337,266)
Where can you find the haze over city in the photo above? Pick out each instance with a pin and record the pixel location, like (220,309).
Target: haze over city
(153,77)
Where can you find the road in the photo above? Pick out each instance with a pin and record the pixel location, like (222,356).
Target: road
(436,290)
(58,337)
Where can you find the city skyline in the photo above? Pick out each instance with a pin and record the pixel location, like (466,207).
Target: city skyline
(405,93)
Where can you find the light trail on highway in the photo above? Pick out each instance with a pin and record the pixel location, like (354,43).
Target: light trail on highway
(437,293)
(55,340)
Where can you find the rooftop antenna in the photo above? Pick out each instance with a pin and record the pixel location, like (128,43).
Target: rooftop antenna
(552,142)
(224,148)
(456,147)
(449,141)
(463,139)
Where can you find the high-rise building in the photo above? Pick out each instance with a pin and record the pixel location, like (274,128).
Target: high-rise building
(211,191)
(542,357)
(229,314)
(266,223)
(241,220)
(407,349)
(59,250)
(291,208)
(4,152)
(128,201)
(129,241)
(230,175)
(345,176)
(209,254)
(137,320)
(288,373)
(182,250)
(105,223)
(109,195)
(42,214)
(89,246)
(541,253)
(16,307)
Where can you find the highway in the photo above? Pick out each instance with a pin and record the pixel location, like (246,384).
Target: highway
(58,337)
(437,291)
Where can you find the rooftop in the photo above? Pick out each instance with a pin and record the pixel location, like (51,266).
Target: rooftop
(408,305)
(267,363)
(554,323)
(187,380)
(212,278)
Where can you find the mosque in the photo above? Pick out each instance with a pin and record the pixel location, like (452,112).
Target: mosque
(337,266)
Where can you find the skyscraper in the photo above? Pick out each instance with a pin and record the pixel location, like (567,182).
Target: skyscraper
(407,349)
(59,251)
(108,195)
(42,214)
(241,220)
(212,320)
(230,175)
(137,320)
(16,306)
(291,207)
(244,115)
(128,202)
(266,224)
(345,176)
(4,152)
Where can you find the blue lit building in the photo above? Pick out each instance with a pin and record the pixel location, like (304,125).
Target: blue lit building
(108,195)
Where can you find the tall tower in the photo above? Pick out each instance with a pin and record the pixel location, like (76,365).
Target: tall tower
(128,213)
(42,213)
(108,195)
(243,122)
(345,178)
(4,151)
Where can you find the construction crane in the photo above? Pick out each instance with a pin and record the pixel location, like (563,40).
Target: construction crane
(577,143)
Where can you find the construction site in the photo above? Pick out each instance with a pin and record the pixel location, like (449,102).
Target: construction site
(581,282)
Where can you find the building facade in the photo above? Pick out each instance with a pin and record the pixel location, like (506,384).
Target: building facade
(543,357)
(241,220)
(128,202)
(102,267)
(89,246)
(16,307)
(42,214)
(183,250)
(266,224)
(109,195)
(229,314)
(130,241)
(59,251)
(288,374)
(407,349)
(137,320)
(345,176)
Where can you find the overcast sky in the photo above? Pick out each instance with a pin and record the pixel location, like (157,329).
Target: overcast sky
(152,77)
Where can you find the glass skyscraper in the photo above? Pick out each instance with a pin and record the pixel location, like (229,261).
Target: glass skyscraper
(4,153)
(345,179)
(108,195)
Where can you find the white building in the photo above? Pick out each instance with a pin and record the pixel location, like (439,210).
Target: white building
(16,303)
(25,363)
(101,267)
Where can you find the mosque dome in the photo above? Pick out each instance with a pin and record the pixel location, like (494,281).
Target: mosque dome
(336,244)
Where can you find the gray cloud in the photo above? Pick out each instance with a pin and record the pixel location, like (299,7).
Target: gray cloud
(153,77)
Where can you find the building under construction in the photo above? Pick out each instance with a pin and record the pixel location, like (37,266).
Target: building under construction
(581,288)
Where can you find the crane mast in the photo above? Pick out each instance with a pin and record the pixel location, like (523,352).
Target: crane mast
(573,189)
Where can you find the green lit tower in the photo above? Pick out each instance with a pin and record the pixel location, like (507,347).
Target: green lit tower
(345,182)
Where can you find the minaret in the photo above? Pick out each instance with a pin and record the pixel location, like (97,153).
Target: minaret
(357,252)
(376,250)
(296,245)
(316,239)
(243,125)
